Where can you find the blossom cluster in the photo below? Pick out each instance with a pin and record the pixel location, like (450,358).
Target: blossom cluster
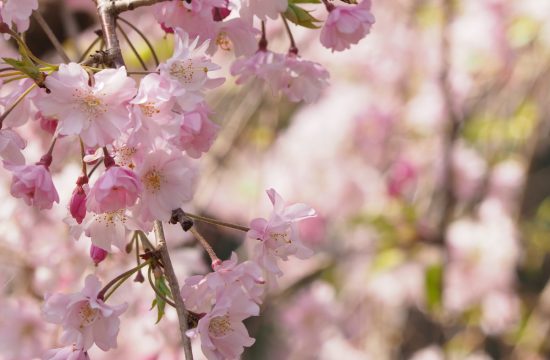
(140,144)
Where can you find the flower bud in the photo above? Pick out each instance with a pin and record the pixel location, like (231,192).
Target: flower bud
(97,254)
(77,205)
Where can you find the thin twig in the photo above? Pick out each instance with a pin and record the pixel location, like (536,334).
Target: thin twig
(134,50)
(217,222)
(49,33)
(205,245)
(140,33)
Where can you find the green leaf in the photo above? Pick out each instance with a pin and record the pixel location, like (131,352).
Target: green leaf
(434,286)
(300,17)
(161,304)
(160,283)
(27,67)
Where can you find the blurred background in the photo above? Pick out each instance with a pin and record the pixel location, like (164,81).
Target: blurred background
(427,159)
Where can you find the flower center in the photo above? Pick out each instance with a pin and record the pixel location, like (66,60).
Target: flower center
(152,180)
(90,104)
(111,218)
(124,156)
(185,71)
(223,41)
(220,326)
(87,315)
(148,109)
(280,237)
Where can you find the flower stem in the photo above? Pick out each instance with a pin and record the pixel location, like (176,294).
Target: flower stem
(117,281)
(215,259)
(217,222)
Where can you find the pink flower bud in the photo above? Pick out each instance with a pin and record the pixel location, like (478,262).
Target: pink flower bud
(77,205)
(33,183)
(220,13)
(116,189)
(97,254)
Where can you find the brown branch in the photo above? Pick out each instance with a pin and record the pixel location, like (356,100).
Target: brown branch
(174,288)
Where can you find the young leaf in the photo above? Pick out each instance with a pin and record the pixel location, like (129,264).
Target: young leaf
(300,17)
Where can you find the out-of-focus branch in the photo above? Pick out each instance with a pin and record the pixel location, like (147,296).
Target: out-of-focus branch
(51,36)
(451,131)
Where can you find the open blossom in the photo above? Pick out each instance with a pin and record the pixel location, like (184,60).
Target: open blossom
(302,79)
(97,113)
(221,331)
(168,181)
(187,71)
(17,12)
(33,183)
(278,237)
(109,228)
(256,66)
(200,292)
(346,25)
(11,145)
(85,318)
(196,132)
(116,189)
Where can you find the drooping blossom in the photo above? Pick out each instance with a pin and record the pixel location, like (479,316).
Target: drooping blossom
(11,145)
(116,189)
(85,318)
(221,331)
(98,113)
(346,25)
(17,12)
(70,352)
(302,80)
(33,184)
(278,237)
(187,71)
(257,66)
(200,292)
(168,180)
(196,132)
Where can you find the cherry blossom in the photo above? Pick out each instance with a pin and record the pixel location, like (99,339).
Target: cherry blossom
(116,189)
(67,353)
(278,237)
(17,12)
(85,318)
(262,9)
(11,145)
(33,184)
(108,228)
(97,113)
(196,132)
(346,25)
(221,331)
(168,180)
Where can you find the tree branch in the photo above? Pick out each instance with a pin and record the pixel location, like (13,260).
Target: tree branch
(174,288)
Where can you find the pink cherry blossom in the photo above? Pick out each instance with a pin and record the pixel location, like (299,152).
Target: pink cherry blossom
(278,237)
(168,180)
(33,183)
(234,35)
(346,25)
(187,71)
(67,353)
(11,145)
(97,113)
(256,66)
(303,79)
(18,12)
(109,228)
(196,132)
(221,331)
(116,189)
(47,124)
(200,292)
(85,318)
